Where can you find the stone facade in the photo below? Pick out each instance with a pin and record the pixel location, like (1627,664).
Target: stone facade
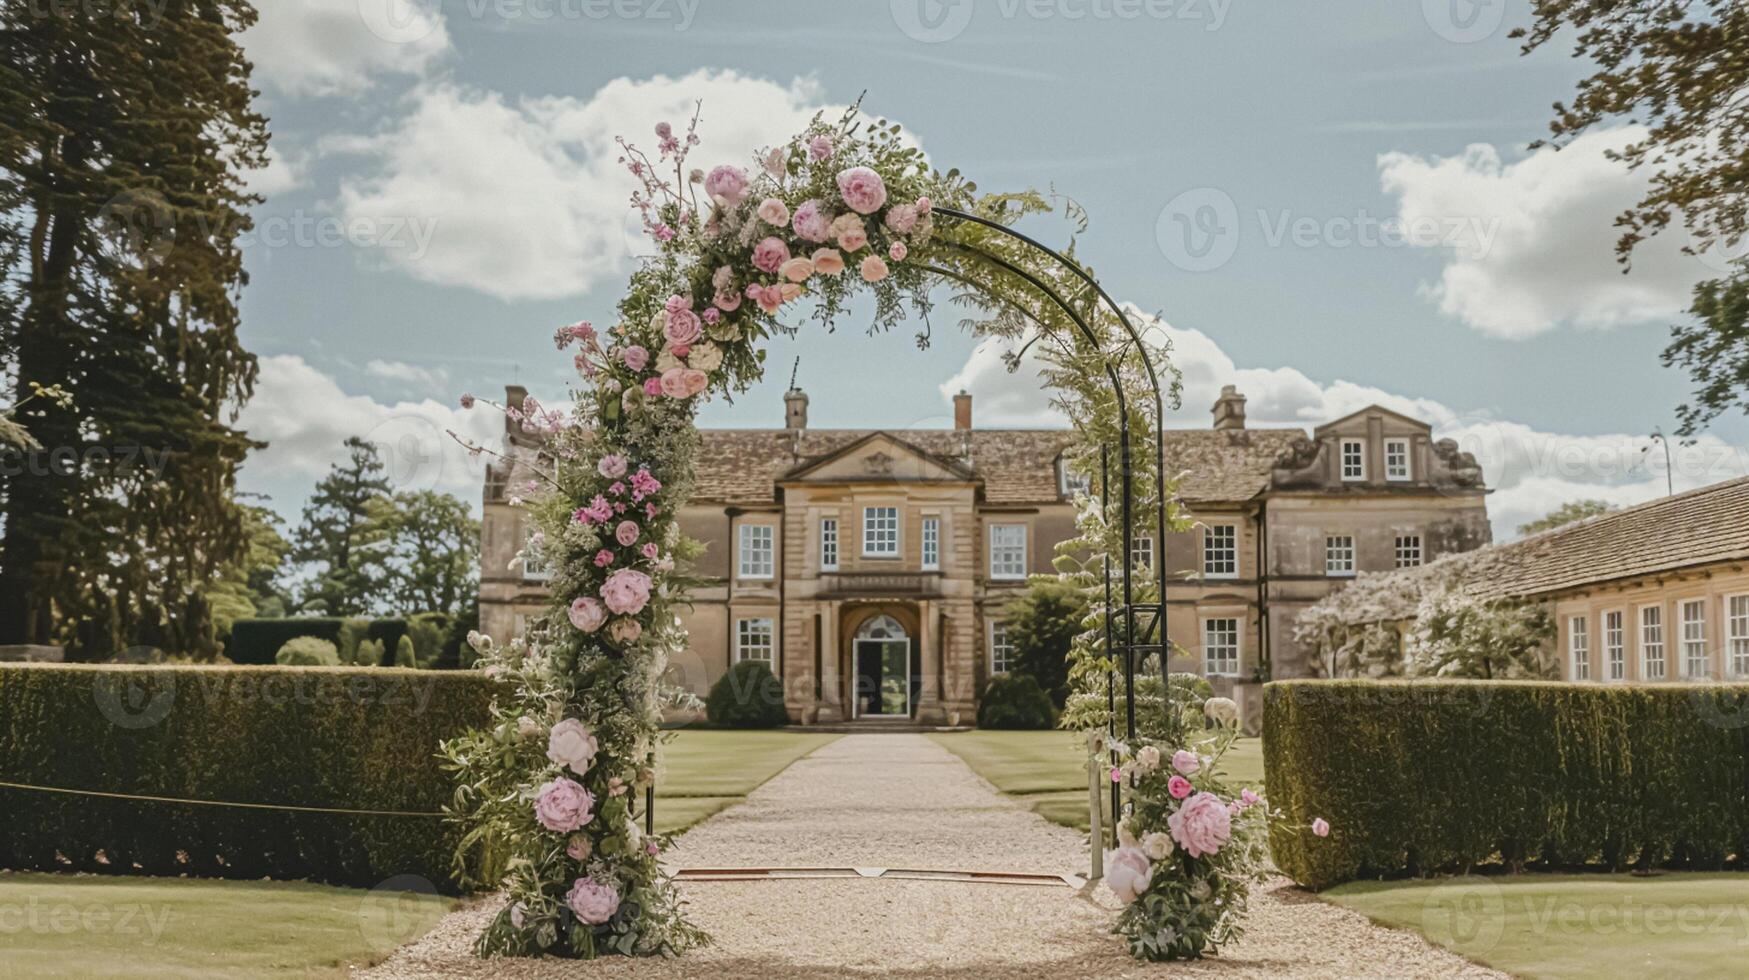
(870,567)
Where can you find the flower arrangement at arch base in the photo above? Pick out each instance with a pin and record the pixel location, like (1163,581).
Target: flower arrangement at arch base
(1189,848)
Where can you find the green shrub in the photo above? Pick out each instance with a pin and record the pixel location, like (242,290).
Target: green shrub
(1015,702)
(387,633)
(1442,776)
(307,651)
(748,696)
(428,631)
(341,738)
(404,652)
(1197,684)
(370,654)
(257,641)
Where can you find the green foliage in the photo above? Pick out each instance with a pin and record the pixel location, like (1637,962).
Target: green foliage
(1567,513)
(1042,623)
(337,534)
(338,738)
(1445,776)
(369,654)
(1458,635)
(257,641)
(1015,702)
(404,655)
(748,696)
(307,651)
(427,554)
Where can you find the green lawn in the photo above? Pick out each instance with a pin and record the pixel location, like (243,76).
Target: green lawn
(1577,926)
(1047,770)
(707,770)
(90,926)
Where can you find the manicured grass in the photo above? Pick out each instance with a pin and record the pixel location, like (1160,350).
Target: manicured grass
(707,770)
(92,926)
(1048,769)
(1573,926)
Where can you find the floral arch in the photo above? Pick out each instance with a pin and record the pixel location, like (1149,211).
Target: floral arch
(553,789)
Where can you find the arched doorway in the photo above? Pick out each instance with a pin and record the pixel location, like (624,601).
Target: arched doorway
(883,681)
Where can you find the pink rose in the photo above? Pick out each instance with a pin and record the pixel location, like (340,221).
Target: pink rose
(820,148)
(1248,798)
(924,205)
(727,300)
(674,383)
(649,550)
(1201,825)
(587,614)
(827,262)
(634,357)
(1179,787)
(562,805)
(873,269)
(1321,827)
(1127,873)
(849,231)
(811,222)
(625,631)
(571,744)
(769,254)
(626,533)
(652,386)
(1185,762)
(612,466)
(593,902)
(773,212)
(726,185)
(683,328)
(797,269)
(604,558)
(862,189)
(902,218)
(897,251)
(696,381)
(626,591)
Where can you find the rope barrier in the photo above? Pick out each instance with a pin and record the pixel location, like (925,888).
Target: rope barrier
(288,807)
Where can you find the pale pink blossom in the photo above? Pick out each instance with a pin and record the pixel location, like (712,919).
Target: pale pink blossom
(862,189)
(797,269)
(1185,762)
(674,383)
(696,381)
(612,466)
(627,533)
(820,148)
(1127,873)
(594,903)
(1321,827)
(769,254)
(1148,758)
(1201,825)
(810,222)
(634,357)
(626,591)
(873,269)
(563,805)
(828,262)
(572,745)
(587,614)
(902,218)
(683,328)
(849,231)
(773,212)
(1249,798)
(726,185)
(723,277)
(897,251)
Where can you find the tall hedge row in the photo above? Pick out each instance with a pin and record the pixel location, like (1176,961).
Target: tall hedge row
(1423,777)
(349,738)
(257,641)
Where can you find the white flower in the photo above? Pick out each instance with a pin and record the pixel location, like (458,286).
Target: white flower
(570,744)
(1157,846)
(527,727)
(1127,873)
(1148,758)
(706,357)
(666,361)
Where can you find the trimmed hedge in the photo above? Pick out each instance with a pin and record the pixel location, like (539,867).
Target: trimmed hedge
(1015,702)
(1443,776)
(351,738)
(256,641)
(748,696)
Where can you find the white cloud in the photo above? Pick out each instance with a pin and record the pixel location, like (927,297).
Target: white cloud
(528,198)
(280,175)
(1531,471)
(1534,240)
(304,416)
(408,373)
(339,47)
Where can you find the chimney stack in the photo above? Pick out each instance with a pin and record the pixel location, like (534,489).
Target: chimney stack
(795,409)
(514,396)
(962,412)
(1230,409)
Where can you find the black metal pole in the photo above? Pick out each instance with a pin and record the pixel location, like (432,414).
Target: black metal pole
(1110,674)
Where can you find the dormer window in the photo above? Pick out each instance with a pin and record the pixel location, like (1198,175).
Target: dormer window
(1353,459)
(1071,483)
(1397,459)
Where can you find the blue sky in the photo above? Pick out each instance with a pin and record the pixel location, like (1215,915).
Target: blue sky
(1365,221)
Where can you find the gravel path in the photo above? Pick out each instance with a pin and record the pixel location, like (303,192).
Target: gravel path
(901,801)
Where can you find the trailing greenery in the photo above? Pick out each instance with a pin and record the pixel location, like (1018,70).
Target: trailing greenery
(749,695)
(308,651)
(1042,623)
(317,737)
(1015,702)
(1445,776)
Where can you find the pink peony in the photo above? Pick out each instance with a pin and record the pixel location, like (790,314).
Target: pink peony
(1185,762)
(1201,825)
(674,383)
(862,189)
(634,357)
(563,805)
(797,269)
(849,232)
(683,328)
(1321,827)
(726,185)
(770,254)
(593,902)
(696,381)
(811,223)
(897,251)
(571,744)
(626,591)
(924,206)
(820,148)
(625,631)
(612,466)
(902,218)
(627,533)
(827,262)
(773,212)
(873,269)
(652,386)
(587,614)
(1179,787)
(649,550)
(1127,873)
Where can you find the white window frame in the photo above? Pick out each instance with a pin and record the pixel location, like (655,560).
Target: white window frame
(1333,567)
(1214,564)
(1068,483)
(1409,552)
(749,551)
(930,553)
(1694,651)
(828,544)
(1006,570)
(1396,473)
(1615,644)
(1222,628)
(747,629)
(1652,638)
(1142,553)
(1736,610)
(1358,473)
(1001,648)
(876,537)
(1579,647)
(541,568)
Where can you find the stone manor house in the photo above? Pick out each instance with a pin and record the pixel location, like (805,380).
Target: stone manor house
(870,568)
